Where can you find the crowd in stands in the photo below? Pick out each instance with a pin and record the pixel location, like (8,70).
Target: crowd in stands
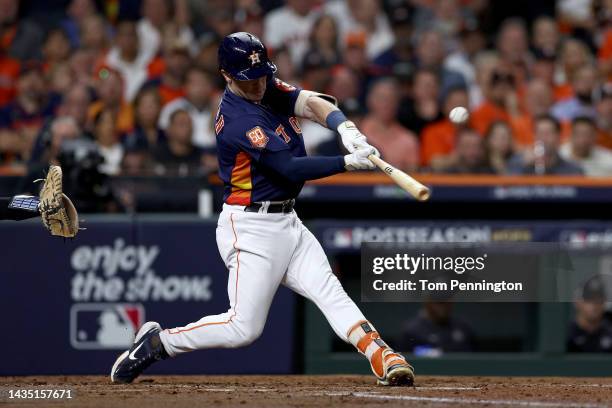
(139,79)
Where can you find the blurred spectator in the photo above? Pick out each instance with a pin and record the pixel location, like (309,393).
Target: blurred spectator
(513,47)
(438,139)
(9,72)
(543,68)
(575,14)
(499,144)
(284,66)
(75,103)
(584,83)
(19,38)
(177,155)
(590,332)
(94,35)
(198,101)
(604,118)
(55,49)
(463,60)
(82,67)
(354,57)
(21,120)
(249,18)
(130,59)
(398,59)
(447,16)
(484,64)
(136,161)
(324,41)
(344,86)
(207,59)
(316,72)
(363,17)
(546,36)
(60,78)
(538,101)
(176,64)
(220,22)
(469,156)
(396,144)
(433,48)
(290,26)
(421,109)
(49,146)
(544,158)
(605,55)
(147,108)
(158,16)
(107,139)
(436,330)
(583,151)
(574,55)
(430,54)
(76,13)
(62,129)
(501,101)
(109,88)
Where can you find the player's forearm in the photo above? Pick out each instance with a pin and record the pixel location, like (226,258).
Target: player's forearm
(316,108)
(300,169)
(319,110)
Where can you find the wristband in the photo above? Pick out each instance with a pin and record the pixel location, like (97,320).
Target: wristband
(335,119)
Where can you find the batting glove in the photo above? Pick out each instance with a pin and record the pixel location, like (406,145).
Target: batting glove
(352,138)
(358,160)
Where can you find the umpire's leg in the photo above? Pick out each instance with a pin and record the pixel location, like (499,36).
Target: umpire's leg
(19,207)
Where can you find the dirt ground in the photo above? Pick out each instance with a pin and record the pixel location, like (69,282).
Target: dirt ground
(315,391)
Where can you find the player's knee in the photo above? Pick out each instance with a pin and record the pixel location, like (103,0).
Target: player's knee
(246,336)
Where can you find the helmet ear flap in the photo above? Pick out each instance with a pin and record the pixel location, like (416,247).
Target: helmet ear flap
(228,78)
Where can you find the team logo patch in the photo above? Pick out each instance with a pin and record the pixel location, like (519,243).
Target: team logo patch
(283,86)
(257,137)
(254,57)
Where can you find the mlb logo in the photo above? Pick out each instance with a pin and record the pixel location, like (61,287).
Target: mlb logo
(104,326)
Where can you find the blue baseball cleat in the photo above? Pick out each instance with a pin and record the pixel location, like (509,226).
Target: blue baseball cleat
(146,350)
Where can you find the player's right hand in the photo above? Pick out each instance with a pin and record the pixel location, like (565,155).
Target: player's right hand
(358,160)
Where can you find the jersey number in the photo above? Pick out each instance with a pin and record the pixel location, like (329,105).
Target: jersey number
(280,130)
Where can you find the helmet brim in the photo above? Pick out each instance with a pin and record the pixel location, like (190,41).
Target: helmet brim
(268,68)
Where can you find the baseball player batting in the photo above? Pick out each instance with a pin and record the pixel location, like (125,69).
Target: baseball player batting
(263,165)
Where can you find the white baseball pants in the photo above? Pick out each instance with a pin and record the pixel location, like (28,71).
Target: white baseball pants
(261,251)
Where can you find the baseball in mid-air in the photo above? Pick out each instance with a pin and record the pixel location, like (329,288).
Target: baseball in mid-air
(459,115)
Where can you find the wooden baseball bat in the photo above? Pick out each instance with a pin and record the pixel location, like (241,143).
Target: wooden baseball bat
(409,184)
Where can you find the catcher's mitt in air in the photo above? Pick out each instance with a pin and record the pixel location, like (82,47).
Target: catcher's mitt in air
(56,210)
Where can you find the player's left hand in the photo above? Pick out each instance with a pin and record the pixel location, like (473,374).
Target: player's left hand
(358,160)
(366,145)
